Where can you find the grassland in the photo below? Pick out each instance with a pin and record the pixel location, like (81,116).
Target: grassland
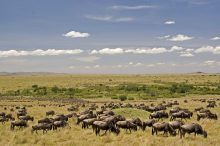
(80,137)
(208,83)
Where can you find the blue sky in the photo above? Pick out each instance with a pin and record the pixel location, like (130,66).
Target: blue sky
(110,36)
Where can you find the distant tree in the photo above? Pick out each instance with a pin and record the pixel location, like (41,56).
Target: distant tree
(55,89)
(122,97)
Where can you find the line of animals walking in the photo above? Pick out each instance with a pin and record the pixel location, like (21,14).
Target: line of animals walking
(105,119)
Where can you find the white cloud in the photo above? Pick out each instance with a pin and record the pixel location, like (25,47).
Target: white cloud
(186,54)
(146,51)
(130,63)
(138,64)
(169,22)
(133,7)
(180,38)
(108,51)
(209,62)
(88,59)
(39,52)
(110,18)
(164,37)
(175,48)
(215,38)
(75,34)
(211,49)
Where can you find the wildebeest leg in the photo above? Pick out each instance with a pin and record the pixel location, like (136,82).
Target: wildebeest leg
(130,130)
(152,131)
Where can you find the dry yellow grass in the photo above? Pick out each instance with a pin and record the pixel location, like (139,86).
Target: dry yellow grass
(13,82)
(77,136)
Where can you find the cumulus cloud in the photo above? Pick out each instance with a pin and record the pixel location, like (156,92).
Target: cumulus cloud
(138,7)
(211,49)
(108,51)
(110,18)
(175,48)
(215,38)
(186,54)
(75,34)
(164,37)
(146,51)
(209,62)
(39,52)
(180,38)
(169,22)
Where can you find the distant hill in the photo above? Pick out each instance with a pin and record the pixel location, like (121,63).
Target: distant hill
(27,73)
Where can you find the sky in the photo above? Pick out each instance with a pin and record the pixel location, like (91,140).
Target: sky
(110,36)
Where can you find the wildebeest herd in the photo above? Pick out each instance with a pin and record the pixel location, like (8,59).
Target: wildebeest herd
(101,117)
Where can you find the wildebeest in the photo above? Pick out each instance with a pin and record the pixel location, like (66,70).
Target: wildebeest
(42,126)
(101,125)
(46,120)
(206,115)
(148,123)
(19,124)
(26,118)
(126,125)
(192,128)
(165,127)
(58,124)
(83,117)
(88,122)
(50,113)
(176,124)
(159,115)
(181,115)
(137,121)
(3,120)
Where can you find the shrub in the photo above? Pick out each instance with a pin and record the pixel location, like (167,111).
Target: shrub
(123,97)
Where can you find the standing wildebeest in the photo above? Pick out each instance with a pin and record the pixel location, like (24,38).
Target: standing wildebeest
(60,117)
(148,123)
(181,115)
(26,118)
(126,125)
(159,115)
(3,120)
(50,113)
(165,127)
(19,124)
(42,126)
(46,120)
(83,117)
(176,124)
(58,124)
(88,122)
(101,125)
(137,121)
(208,115)
(190,128)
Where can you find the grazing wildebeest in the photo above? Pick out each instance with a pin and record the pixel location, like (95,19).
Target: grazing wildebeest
(60,117)
(181,115)
(148,123)
(88,122)
(3,120)
(26,118)
(190,128)
(137,121)
(165,127)
(58,124)
(176,124)
(126,125)
(46,120)
(50,113)
(83,117)
(101,125)
(159,115)
(19,124)
(42,126)
(206,115)
(2,114)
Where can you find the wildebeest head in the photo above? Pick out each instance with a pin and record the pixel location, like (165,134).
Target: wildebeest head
(205,134)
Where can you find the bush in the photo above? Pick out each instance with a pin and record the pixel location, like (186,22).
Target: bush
(122,97)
